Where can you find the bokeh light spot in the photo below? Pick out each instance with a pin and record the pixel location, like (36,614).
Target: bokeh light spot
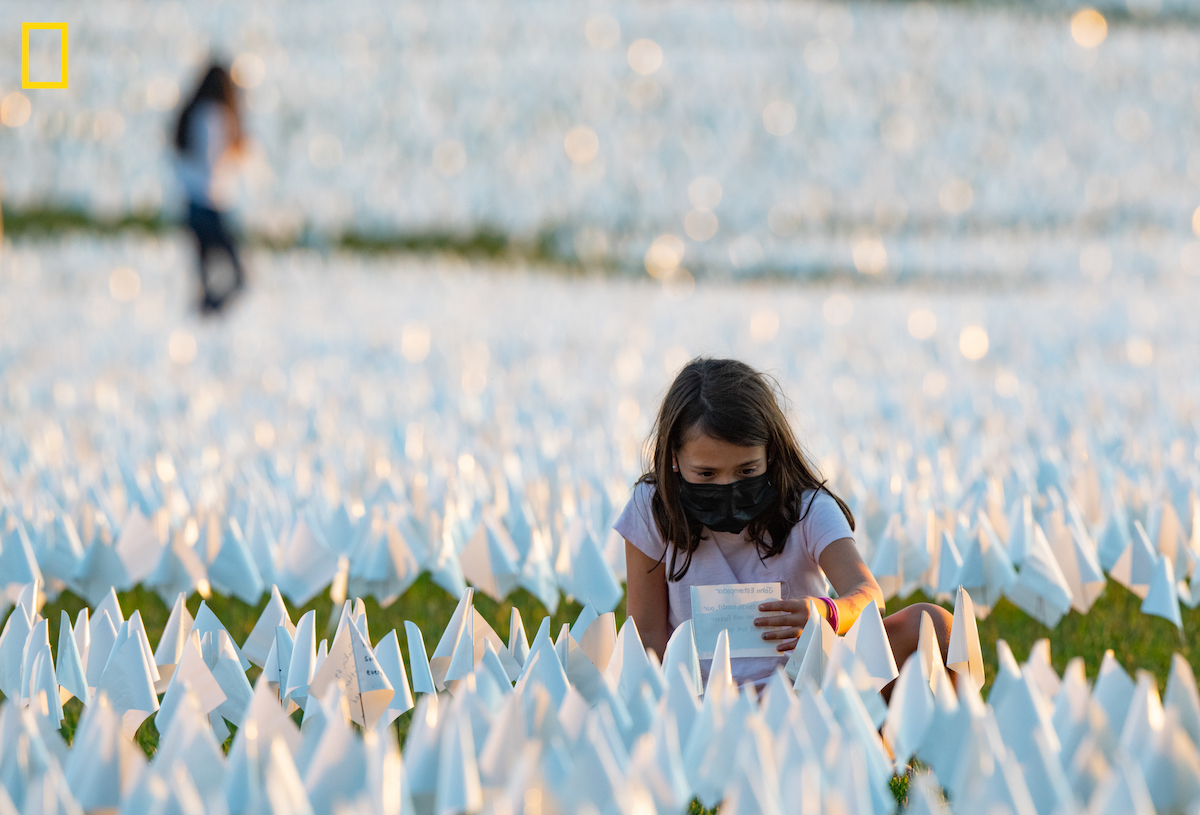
(664,255)
(1088,27)
(922,323)
(870,256)
(779,118)
(603,32)
(582,144)
(973,342)
(1139,351)
(414,342)
(15,109)
(248,70)
(645,56)
(704,192)
(956,196)
(124,284)
(764,325)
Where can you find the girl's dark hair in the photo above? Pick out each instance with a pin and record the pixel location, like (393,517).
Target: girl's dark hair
(216,86)
(730,401)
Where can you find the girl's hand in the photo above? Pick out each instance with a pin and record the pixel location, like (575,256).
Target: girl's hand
(791,622)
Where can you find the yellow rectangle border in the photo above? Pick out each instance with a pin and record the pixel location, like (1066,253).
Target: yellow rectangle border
(25,29)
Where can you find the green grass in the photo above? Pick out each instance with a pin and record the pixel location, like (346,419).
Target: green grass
(1138,640)
(487,243)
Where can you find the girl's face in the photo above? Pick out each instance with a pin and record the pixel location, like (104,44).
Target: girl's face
(702,459)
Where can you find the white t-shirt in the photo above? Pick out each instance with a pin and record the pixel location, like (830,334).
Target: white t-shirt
(726,557)
(201,172)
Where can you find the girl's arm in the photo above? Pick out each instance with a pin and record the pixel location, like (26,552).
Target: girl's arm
(646,598)
(850,578)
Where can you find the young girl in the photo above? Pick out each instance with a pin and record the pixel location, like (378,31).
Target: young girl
(730,497)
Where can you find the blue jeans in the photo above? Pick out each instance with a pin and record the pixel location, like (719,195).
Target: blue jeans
(211,235)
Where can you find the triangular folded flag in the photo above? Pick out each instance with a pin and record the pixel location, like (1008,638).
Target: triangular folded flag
(100,570)
(458,785)
(886,565)
(720,673)
(598,638)
(1182,697)
(481,634)
(869,640)
(1113,691)
(128,679)
(1134,569)
(629,666)
(258,644)
(69,671)
(387,654)
(279,659)
(1020,530)
(949,565)
(910,712)
(1039,670)
(1161,599)
(37,641)
(592,579)
(221,657)
(492,665)
(103,764)
(44,698)
(207,623)
(490,558)
(179,570)
(306,565)
(232,569)
(518,642)
(543,670)
(1078,562)
(102,633)
(303,662)
(817,627)
(929,653)
(964,655)
(418,663)
(447,648)
(12,646)
(193,677)
(1041,590)
(138,546)
(83,635)
(170,644)
(266,716)
(682,655)
(351,664)
(18,562)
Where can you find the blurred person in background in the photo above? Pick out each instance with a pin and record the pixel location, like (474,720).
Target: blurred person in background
(209,144)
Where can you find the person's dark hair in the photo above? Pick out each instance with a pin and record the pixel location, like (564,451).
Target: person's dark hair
(216,86)
(728,400)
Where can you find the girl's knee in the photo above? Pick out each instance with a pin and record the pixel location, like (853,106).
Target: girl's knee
(906,623)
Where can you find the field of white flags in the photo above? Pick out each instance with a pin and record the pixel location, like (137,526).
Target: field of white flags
(997,140)
(356,423)
(356,427)
(584,721)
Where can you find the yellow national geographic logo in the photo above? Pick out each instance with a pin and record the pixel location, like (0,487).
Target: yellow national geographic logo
(26,82)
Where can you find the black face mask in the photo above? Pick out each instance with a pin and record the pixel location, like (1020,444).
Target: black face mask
(726,507)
